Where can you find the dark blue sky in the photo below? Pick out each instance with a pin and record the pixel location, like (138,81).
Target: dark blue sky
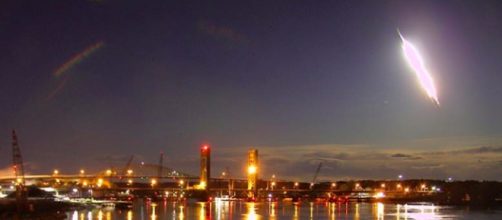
(282,76)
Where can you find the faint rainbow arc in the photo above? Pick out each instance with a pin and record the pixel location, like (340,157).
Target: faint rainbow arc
(77,58)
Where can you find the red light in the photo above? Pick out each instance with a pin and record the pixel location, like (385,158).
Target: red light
(205,147)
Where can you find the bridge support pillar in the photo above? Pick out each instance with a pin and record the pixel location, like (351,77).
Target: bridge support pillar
(252,173)
(205,167)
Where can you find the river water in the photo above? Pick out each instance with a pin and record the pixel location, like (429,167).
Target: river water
(143,210)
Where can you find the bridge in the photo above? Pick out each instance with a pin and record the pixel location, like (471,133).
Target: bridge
(158,178)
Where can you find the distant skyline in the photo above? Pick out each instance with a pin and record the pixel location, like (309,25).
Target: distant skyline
(86,84)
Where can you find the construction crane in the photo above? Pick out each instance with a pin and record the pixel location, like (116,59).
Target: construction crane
(161,165)
(17,160)
(17,165)
(127,167)
(315,175)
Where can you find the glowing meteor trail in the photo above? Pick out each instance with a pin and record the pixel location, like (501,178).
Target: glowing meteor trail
(417,64)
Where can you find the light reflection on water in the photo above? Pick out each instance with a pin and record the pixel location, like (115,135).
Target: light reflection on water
(256,211)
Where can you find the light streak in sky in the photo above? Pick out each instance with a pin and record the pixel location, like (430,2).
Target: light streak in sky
(417,64)
(57,89)
(77,58)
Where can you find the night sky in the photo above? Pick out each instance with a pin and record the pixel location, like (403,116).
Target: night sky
(301,82)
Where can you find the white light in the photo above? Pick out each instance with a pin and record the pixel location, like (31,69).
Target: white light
(379,195)
(416,62)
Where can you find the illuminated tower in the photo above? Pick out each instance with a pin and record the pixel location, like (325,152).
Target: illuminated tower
(252,169)
(205,166)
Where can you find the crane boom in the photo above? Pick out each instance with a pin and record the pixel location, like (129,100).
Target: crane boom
(316,174)
(161,164)
(127,166)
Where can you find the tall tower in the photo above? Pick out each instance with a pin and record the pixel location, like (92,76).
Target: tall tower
(205,166)
(252,170)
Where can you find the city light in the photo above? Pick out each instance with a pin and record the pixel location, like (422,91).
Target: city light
(205,147)
(82,172)
(252,169)
(153,182)
(153,216)
(100,182)
(55,172)
(129,172)
(202,185)
(379,195)
(380,211)
(109,172)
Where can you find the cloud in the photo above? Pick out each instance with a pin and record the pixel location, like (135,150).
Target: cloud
(361,162)
(221,32)
(276,160)
(322,155)
(358,161)
(427,166)
(475,150)
(483,149)
(405,156)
